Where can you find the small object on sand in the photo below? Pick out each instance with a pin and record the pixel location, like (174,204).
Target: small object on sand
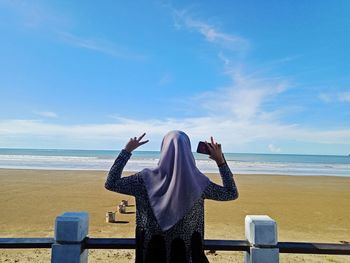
(212,252)
(124,202)
(110,217)
(122,209)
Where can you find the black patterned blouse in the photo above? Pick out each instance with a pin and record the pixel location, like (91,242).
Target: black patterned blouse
(191,222)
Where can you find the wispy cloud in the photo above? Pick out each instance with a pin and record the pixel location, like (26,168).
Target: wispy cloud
(211,34)
(344,96)
(245,98)
(165,79)
(335,97)
(47,114)
(272,148)
(34,14)
(224,59)
(236,113)
(98,45)
(233,133)
(325,97)
(38,16)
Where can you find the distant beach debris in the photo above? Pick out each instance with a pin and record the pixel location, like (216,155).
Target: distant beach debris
(122,209)
(110,217)
(124,202)
(212,252)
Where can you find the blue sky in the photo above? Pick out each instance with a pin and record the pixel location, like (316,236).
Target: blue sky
(269,77)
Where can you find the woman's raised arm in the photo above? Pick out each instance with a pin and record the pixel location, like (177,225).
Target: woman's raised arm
(127,185)
(217,192)
(226,192)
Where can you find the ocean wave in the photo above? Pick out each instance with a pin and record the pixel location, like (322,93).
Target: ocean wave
(138,163)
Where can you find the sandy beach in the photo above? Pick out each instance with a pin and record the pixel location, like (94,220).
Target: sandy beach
(312,208)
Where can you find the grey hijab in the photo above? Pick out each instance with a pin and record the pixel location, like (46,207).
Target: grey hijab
(176,184)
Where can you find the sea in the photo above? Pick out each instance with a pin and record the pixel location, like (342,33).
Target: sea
(240,163)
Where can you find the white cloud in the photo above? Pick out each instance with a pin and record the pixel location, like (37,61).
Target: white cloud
(231,132)
(98,45)
(47,114)
(272,148)
(236,114)
(344,96)
(38,16)
(244,99)
(335,97)
(224,59)
(231,41)
(33,14)
(165,79)
(325,97)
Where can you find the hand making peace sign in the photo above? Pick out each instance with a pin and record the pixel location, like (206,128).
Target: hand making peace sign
(135,143)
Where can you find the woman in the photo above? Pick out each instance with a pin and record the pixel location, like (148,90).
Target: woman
(170,199)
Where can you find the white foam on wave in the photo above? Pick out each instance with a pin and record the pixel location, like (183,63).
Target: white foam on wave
(53,162)
(137,164)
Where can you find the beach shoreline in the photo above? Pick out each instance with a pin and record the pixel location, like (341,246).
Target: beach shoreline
(244,163)
(130,172)
(306,208)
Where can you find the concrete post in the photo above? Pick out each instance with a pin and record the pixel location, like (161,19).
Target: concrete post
(261,232)
(70,230)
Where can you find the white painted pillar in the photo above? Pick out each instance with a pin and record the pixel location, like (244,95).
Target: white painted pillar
(261,232)
(70,230)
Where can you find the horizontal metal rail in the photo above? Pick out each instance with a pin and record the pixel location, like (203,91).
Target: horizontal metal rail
(209,244)
(109,243)
(129,243)
(313,248)
(230,245)
(33,242)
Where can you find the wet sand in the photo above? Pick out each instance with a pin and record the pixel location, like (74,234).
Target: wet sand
(306,209)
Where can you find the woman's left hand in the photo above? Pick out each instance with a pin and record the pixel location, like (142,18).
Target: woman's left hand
(215,152)
(135,143)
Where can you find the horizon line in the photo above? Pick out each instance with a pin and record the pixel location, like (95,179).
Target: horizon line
(265,153)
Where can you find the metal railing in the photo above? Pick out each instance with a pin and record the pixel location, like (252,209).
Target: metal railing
(209,244)
(71,243)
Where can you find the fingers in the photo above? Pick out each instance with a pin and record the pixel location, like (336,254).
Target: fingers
(135,142)
(208,144)
(210,148)
(215,144)
(141,143)
(140,138)
(212,140)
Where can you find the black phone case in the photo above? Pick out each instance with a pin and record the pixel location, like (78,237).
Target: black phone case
(202,148)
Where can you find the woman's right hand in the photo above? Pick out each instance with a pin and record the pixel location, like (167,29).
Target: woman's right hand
(134,143)
(215,152)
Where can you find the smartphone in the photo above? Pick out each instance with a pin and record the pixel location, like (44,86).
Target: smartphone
(203,148)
